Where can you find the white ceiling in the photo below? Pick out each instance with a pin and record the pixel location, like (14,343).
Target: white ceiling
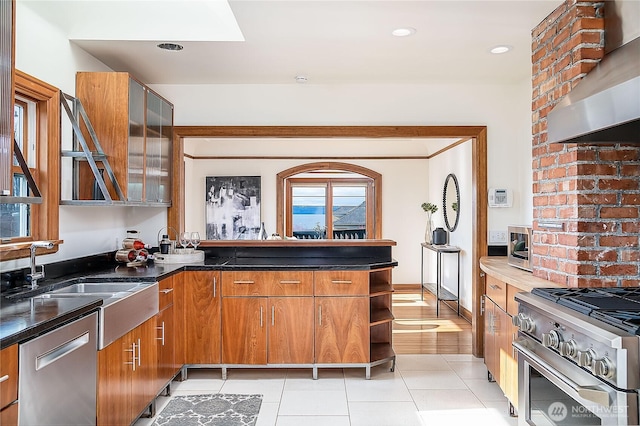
(329,42)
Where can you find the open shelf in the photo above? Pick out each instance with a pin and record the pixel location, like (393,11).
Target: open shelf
(444,293)
(381,351)
(379,316)
(380,288)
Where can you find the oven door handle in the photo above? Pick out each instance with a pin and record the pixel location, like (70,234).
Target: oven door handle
(590,393)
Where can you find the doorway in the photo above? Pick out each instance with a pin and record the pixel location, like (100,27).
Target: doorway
(476,135)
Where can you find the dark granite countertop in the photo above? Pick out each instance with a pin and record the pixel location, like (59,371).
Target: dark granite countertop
(26,319)
(22,319)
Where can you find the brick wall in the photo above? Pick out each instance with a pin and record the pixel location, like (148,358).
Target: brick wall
(594,190)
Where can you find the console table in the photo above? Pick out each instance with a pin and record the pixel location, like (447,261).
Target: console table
(436,288)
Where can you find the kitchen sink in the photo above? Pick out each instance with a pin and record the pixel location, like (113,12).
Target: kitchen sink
(124,305)
(95,288)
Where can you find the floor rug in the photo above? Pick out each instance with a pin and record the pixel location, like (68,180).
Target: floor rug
(211,409)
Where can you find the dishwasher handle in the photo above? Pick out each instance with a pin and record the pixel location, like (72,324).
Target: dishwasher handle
(61,351)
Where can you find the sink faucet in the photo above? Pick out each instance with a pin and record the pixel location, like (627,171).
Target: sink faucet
(35,275)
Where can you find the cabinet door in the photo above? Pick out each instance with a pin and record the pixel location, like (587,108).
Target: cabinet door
(9,369)
(158,146)
(490,347)
(167,367)
(290,330)
(143,387)
(509,361)
(201,306)
(9,415)
(244,331)
(342,329)
(115,372)
(136,166)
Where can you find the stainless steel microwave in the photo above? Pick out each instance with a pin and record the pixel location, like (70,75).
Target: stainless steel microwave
(519,247)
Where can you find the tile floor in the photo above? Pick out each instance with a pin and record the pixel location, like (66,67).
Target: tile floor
(425,389)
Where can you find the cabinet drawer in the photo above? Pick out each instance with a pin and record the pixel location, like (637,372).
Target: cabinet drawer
(289,283)
(8,375)
(244,283)
(341,283)
(165,296)
(496,290)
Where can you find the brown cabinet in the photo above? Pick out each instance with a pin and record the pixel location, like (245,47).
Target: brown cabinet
(198,313)
(244,331)
(9,385)
(499,355)
(134,126)
(267,317)
(166,337)
(290,336)
(342,330)
(127,375)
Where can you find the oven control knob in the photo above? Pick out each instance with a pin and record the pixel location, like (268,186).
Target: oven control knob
(568,349)
(604,368)
(551,339)
(586,358)
(524,323)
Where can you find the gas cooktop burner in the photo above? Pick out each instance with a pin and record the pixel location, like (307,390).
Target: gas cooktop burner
(616,306)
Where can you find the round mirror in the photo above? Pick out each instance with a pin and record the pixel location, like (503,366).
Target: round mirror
(451,202)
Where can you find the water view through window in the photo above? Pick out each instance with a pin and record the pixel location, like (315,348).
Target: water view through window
(315,215)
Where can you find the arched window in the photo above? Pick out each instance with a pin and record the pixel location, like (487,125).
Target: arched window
(329,200)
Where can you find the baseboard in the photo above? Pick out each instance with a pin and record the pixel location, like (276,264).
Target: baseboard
(406,287)
(464,312)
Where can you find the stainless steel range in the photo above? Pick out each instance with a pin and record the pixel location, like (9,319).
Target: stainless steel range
(578,356)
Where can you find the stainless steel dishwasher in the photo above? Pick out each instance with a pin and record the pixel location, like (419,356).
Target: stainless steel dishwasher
(57,380)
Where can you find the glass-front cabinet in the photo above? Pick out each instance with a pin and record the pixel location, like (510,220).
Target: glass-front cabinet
(121,108)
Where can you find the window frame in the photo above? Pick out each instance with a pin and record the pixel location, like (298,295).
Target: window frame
(376,205)
(47,173)
(329,183)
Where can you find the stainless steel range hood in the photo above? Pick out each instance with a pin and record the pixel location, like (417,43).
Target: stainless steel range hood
(604,107)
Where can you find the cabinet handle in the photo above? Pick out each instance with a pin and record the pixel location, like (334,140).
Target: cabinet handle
(167,290)
(273,315)
(139,352)
(340,281)
(214,287)
(161,338)
(260,316)
(4,378)
(133,356)
(244,282)
(320,314)
(494,287)
(289,281)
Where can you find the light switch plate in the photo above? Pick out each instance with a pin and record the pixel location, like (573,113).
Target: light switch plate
(496,237)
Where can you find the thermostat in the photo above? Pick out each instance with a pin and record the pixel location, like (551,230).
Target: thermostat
(499,197)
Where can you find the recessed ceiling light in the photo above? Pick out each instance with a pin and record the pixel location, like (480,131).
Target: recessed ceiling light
(497,50)
(170,46)
(301,79)
(403,32)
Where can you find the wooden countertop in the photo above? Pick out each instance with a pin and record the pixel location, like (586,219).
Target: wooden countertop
(497,267)
(298,243)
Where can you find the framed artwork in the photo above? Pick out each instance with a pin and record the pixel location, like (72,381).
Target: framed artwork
(232,207)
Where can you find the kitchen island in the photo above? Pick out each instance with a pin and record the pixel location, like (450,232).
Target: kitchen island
(275,304)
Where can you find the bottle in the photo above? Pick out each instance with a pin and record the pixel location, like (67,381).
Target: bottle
(134,243)
(263,232)
(126,255)
(165,245)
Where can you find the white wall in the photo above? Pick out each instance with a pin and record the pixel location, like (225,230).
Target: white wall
(44,52)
